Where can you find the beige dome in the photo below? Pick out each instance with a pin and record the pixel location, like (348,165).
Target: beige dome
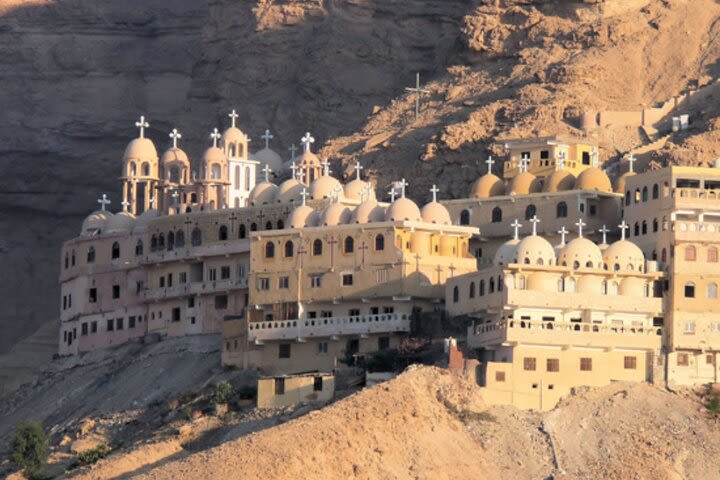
(506,253)
(435,212)
(534,250)
(624,255)
(141,149)
(269,157)
(302,216)
(325,187)
(213,155)
(263,193)
(143,220)
(354,189)
(335,214)
(289,191)
(524,183)
(488,185)
(367,212)
(559,181)
(593,179)
(403,209)
(232,135)
(621,181)
(95,222)
(122,222)
(580,253)
(308,159)
(174,155)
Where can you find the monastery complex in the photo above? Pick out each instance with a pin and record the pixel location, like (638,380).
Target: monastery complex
(562,277)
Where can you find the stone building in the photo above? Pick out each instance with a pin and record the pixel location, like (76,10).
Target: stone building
(542,156)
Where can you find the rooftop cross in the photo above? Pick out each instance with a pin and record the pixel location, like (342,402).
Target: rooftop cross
(392,194)
(563,231)
(358,168)
(417,91)
(516,226)
(294,168)
(292,149)
(233,117)
(304,194)
(175,135)
(267,136)
(580,224)
(534,220)
(215,135)
(604,230)
(623,226)
(365,192)
(326,167)
(561,160)
(104,201)
(266,170)
(300,174)
(434,191)
(307,140)
(403,184)
(125,204)
(142,124)
(489,163)
(594,157)
(631,162)
(524,163)
(336,193)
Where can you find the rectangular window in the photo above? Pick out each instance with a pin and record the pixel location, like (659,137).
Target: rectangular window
(689,290)
(689,328)
(630,363)
(381,275)
(682,360)
(176,314)
(191,302)
(131,322)
(225,272)
(170,280)
(182,277)
(284,350)
(500,377)
(221,302)
(553,364)
(241,271)
(383,343)
(139,287)
(116,291)
(120,323)
(544,154)
(263,283)
(284,282)
(93,295)
(347,279)
(93,326)
(64,302)
(315,281)
(84,329)
(212,274)
(354,312)
(110,325)
(162,282)
(529,364)
(586,158)
(317,384)
(586,364)
(279,386)
(322,348)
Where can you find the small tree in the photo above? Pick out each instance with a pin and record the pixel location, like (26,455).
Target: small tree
(224,392)
(30,447)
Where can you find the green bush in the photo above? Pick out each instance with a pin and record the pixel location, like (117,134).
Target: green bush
(29,450)
(713,406)
(88,457)
(224,392)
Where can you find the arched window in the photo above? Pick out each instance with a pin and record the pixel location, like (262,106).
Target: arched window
(317,247)
(570,284)
(576,264)
(196,237)
(269,250)
(561,210)
(496,215)
(174,174)
(115,250)
(655,192)
(604,287)
(161,241)
(289,249)
(216,171)
(153,243)
(146,169)
(690,253)
(247,178)
(482,287)
(712,255)
(379,242)
(637,195)
(589,264)
(91,255)
(666,189)
(627,197)
(655,225)
(237,175)
(223,232)
(179,239)
(171,240)
(465,217)
(456,294)
(349,245)
(139,248)
(530,211)
(654,255)
(491,285)
(613,288)
(645,194)
(636,230)
(242,233)
(690,290)
(471,294)
(280,224)
(644,227)
(268,225)
(253,227)
(712,291)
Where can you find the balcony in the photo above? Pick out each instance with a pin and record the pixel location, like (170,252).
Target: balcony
(577,334)
(696,198)
(201,251)
(195,288)
(300,329)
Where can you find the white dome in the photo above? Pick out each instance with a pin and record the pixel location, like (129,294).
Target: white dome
(403,209)
(435,212)
(506,253)
(269,157)
(289,191)
(335,214)
(95,222)
(303,216)
(354,189)
(141,149)
(534,250)
(624,255)
(263,193)
(325,187)
(580,253)
(120,223)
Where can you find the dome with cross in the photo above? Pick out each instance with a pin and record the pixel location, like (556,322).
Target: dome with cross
(303,216)
(488,185)
(357,189)
(368,211)
(290,191)
(580,253)
(95,223)
(624,255)
(403,209)
(434,212)
(535,250)
(524,183)
(326,187)
(559,181)
(506,253)
(122,222)
(263,193)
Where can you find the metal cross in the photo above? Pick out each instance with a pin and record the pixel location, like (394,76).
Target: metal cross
(561,160)
(233,116)
(623,226)
(434,191)
(524,163)
(516,225)
(604,230)
(580,224)
(292,149)
(104,201)
(142,125)
(267,137)
(175,135)
(294,169)
(307,140)
(563,231)
(125,204)
(215,135)
(304,194)
(417,91)
(266,170)
(534,220)
(392,194)
(358,167)
(631,161)
(489,163)
(326,167)
(403,184)
(362,248)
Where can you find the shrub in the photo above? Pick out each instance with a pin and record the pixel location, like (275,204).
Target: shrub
(713,406)
(88,457)
(224,392)
(187,412)
(29,450)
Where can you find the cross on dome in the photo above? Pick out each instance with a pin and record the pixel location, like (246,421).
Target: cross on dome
(623,226)
(534,220)
(580,224)
(563,231)
(125,204)
(104,201)
(403,184)
(267,136)
(326,167)
(294,169)
(175,135)
(434,191)
(307,140)
(561,160)
(524,163)
(304,194)
(489,163)
(292,149)
(266,170)
(215,135)
(233,117)
(358,168)
(142,124)
(516,226)
(392,194)
(631,162)
(336,193)
(604,230)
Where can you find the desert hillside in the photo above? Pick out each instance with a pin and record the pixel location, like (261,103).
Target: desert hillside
(76,75)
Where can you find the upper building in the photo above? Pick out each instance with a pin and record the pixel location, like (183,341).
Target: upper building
(541,156)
